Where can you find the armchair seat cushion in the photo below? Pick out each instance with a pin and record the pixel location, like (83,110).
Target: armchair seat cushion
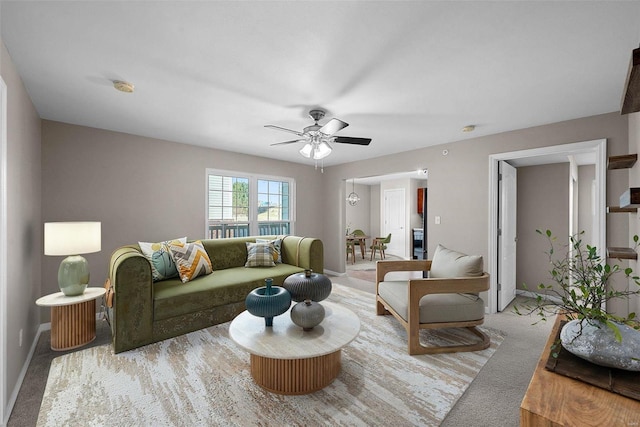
(434,308)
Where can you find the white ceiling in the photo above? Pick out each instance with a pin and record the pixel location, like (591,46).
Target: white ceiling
(406,74)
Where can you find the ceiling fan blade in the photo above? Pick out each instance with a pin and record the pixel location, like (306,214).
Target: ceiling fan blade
(350,140)
(284,129)
(333,126)
(288,142)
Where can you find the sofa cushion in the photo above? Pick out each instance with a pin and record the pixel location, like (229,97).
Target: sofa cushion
(277,246)
(162,263)
(260,255)
(228,286)
(191,260)
(449,263)
(433,308)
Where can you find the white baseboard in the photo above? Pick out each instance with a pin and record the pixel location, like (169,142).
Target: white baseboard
(333,273)
(534,295)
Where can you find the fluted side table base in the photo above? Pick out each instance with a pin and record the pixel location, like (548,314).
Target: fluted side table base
(295,376)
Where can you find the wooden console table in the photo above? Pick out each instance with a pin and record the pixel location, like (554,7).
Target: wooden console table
(556,400)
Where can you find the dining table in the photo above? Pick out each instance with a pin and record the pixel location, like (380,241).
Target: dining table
(362,240)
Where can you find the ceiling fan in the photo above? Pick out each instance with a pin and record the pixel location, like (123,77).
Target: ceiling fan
(317,138)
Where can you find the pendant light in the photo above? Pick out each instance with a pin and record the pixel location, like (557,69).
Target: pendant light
(353,198)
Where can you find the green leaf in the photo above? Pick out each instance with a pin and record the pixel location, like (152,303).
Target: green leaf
(615,329)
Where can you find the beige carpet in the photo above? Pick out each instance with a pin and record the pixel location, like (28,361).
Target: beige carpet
(203,378)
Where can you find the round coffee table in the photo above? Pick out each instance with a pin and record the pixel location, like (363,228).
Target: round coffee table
(287,360)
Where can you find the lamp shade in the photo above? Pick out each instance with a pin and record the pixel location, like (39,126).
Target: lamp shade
(72,238)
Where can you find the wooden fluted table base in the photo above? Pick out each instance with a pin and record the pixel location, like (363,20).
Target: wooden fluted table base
(73,326)
(295,376)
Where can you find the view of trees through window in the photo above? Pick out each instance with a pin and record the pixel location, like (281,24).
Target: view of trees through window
(242,206)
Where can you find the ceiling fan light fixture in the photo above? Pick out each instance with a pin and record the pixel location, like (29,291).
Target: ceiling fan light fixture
(306,150)
(322,150)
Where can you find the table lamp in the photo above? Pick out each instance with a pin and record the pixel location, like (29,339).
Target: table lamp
(73,239)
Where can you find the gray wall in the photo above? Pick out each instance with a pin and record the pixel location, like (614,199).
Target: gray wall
(543,203)
(458,182)
(24,222)
(144,189)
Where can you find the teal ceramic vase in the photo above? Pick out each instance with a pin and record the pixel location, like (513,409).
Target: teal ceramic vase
(268,301)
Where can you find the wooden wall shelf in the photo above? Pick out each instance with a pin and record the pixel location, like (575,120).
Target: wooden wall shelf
(622,162)
(621,253)
(630,198)
(618,209)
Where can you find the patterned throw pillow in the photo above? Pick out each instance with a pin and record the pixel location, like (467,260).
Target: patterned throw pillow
(191,259)
(260,255)
(162,265)
(277,246)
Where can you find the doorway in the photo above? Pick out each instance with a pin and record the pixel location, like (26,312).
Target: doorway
(595,151)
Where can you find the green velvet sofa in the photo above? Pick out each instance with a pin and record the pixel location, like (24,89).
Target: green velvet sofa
(144,311)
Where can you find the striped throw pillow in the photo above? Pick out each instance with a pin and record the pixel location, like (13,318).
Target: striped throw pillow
(191,260)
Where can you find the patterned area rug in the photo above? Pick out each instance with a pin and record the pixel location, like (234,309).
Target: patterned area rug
(203,378)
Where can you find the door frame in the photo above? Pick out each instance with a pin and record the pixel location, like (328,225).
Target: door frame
(3,251)
(598,147)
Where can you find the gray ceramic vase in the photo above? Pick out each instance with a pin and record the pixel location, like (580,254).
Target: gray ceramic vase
(307,314)
(308,285)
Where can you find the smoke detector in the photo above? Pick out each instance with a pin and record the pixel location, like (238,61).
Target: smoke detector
(123,86)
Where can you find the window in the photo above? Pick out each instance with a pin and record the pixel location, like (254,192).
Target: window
(241,205)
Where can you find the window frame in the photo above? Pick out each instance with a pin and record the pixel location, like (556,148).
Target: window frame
(253,197)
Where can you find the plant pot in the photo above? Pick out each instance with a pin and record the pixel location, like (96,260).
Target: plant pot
(595,342)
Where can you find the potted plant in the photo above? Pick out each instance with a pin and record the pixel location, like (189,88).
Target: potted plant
(581,276)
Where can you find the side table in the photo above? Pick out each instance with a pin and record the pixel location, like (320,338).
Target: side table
(73,319)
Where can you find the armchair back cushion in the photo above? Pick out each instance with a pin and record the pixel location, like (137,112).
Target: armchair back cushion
(447,263)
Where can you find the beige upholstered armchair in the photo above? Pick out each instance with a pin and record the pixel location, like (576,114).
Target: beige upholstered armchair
(447,299)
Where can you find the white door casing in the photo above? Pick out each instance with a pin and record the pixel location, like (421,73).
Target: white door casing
(3,252)
(394,221)
(507,235)
(597,148)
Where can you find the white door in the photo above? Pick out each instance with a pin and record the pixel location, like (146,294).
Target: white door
(507,235)
(395,217)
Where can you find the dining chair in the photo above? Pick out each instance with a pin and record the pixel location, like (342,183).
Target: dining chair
(351,249)
(361,243)
(379,244)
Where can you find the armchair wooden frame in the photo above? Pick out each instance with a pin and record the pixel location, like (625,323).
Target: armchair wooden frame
(421,287)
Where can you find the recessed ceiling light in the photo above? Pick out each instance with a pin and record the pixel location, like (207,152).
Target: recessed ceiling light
(468,128)
(123,86)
